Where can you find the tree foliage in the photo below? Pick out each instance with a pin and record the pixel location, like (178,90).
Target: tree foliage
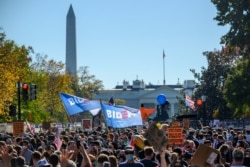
(236,15)
(237,89)
(211,83)
(51,79)
(16,64)
(85,85)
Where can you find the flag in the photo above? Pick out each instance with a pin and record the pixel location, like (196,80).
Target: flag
(164,54)
(74,105)
(111,101)
(121,116)
(58,141)
(96,120)
(30,127)
(190,103)
(145,112)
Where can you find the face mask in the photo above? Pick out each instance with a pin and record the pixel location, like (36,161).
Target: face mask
(24,147)
(129,157)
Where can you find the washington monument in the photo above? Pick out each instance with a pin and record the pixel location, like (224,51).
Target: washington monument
(71,66)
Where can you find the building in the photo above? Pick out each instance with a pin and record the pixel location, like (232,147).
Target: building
(134,95)
(139,93)
(71,66)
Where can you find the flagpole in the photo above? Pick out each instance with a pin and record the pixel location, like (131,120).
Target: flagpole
(103,114)
(68,116)
(164,81)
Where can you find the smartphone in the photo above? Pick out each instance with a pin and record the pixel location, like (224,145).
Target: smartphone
(106,164)
(78,143)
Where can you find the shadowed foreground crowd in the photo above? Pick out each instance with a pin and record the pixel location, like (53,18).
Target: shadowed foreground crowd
(120,148)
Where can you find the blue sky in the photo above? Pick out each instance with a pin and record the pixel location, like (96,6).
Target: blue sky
(120,39)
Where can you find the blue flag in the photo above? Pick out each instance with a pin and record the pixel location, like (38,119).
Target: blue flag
(121,116)
(74,105)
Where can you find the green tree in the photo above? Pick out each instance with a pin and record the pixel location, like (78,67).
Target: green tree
(14,66)
(211,84)
(86,84)
(48,75)
(50,79)
(236,15)
(237,89)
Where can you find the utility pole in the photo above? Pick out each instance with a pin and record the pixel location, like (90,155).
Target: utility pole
(19,100)
(164,81)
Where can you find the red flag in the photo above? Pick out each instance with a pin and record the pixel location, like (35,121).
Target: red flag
(145,112)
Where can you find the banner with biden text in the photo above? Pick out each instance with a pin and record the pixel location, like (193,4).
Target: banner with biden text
(121,116)
(74,105)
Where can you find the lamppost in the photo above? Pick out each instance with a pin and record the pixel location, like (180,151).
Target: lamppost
(203,98)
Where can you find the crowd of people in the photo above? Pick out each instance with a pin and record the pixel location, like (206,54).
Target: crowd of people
(118,148)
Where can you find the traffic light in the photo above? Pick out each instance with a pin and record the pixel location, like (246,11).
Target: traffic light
(25,91)
(32,91)
(12,110)
(199,104)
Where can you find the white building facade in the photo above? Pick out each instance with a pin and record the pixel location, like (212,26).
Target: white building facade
(139,93)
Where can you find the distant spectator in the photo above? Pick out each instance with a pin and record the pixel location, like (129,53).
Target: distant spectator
(101,159)
(130,159)
(36,156)
(26,152)
(149,154)
(113,161)
(20,162)
(238,158)
(247,157)
(54,160)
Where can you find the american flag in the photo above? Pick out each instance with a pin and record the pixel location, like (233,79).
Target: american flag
(30,127)
(58,141)
(190,102)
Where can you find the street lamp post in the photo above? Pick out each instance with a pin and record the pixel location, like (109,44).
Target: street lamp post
(203,98)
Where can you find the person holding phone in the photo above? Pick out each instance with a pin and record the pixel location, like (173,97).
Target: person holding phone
(86,161)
